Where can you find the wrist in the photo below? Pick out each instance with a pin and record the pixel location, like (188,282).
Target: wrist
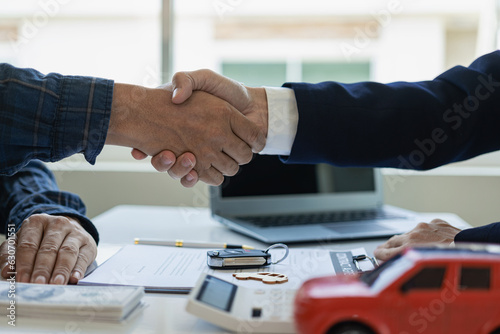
(124,124)
(120,107)
(260,107)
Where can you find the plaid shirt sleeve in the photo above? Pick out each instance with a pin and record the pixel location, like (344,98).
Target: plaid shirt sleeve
(50,117)
(32,190)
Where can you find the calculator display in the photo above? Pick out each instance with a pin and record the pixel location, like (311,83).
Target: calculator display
(217,293)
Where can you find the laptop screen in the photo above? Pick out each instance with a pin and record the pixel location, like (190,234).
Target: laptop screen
(266,175)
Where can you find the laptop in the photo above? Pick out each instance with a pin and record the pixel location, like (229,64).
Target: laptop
(275,202)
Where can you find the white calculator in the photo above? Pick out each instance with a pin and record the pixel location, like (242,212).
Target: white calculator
(242,309)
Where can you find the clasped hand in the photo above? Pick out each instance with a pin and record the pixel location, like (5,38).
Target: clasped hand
(249,126)
(190,122)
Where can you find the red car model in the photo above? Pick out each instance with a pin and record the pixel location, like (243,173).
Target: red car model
(422,290)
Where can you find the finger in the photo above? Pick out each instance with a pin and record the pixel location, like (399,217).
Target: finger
(226,165)
(211,176)
(87,255)
(184,164)
(67,256)
(4,258)
(384,253)
(190,179)
(394,241)
(163,161)
(48,251)
(250,133)
(28,242)
(138,155)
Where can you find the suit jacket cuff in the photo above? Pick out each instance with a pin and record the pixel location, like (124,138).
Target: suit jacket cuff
(488,233)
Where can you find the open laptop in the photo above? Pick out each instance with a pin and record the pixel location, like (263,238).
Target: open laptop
(275,202)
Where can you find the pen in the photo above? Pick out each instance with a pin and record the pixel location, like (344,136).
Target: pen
(192,244)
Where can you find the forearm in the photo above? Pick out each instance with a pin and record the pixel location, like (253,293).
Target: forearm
(405,125)
(50,117)
(33,190)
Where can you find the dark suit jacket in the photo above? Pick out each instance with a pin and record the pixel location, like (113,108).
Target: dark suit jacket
(418,125)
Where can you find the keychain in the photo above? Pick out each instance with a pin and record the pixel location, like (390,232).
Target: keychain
(240,258)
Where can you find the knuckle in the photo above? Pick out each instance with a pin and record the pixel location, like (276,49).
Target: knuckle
(218,179)
(422,226)
(84,258)
(64,270)
(253,136)
(247,156)
(48,248)
(37,217)
(27,246)
(205,72)
(232,169)
(69,250)
(60,222)
(31,222)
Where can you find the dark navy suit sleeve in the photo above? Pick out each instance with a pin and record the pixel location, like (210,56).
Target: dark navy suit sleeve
(419,125)
(488,233)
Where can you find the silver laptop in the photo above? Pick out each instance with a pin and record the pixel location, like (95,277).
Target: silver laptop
(275,202)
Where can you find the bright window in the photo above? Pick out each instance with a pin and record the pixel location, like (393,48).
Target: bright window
(257,42)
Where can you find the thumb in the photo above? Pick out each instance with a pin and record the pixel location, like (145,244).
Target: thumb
(184,83)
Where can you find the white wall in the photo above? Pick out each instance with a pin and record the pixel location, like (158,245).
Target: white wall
(119,39)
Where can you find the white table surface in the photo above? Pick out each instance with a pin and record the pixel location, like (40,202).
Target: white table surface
(165,312)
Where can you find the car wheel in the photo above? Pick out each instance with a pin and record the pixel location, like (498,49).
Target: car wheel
(350,328)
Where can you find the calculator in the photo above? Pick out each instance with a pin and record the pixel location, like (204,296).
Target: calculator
(242,309)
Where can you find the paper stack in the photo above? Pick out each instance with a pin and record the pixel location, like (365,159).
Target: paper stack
(110,303)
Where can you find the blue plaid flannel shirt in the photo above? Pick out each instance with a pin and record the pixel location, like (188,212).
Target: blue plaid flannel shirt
(47,117)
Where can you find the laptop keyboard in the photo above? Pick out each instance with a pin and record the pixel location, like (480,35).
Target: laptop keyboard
(317,218)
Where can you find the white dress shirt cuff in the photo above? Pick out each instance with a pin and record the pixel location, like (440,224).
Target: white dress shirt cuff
(283,120)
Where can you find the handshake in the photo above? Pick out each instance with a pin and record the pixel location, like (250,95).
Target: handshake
(201,126)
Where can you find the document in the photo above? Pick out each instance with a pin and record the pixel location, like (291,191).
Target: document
(156,268)
(174,269)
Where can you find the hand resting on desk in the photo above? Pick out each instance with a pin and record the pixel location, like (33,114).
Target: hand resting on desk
(436,232)
(49,249)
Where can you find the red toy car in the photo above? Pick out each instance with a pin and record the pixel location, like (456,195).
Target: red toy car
(422,290)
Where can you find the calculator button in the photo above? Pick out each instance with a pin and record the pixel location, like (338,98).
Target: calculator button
(256,312)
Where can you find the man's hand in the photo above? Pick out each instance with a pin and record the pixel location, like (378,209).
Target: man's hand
(218,135)
(165,161)
(251,102)
(49,249)
(436,232)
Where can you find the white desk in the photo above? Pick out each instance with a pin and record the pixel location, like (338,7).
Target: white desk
(165,313)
